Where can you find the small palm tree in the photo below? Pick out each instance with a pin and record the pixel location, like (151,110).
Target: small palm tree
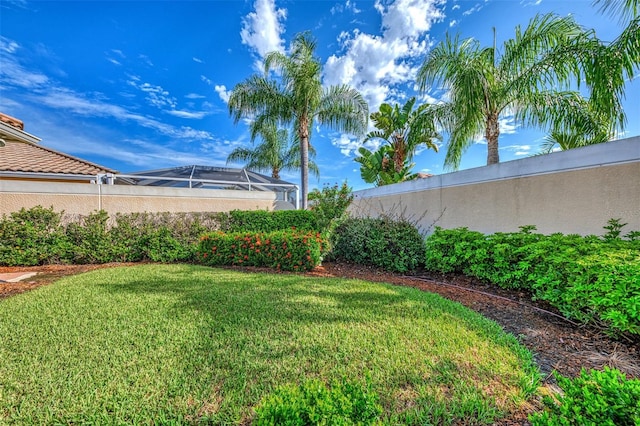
(530,78)
(378,166)
(274,154)
(298,98)
(404,130)
(565,141)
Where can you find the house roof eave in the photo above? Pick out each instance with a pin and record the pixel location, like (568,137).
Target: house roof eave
(17,134)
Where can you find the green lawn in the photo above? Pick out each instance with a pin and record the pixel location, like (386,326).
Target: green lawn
(174,344)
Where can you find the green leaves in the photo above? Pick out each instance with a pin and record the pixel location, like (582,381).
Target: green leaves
(297,98)
(532,78)
(330,204)
(595,398)
(587,279)
(391,245)
(289,250)
(402,130)
(312,403)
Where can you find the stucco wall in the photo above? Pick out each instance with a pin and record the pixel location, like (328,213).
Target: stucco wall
(76,198)
(575,191)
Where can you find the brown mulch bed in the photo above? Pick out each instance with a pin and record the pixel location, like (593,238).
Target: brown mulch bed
(556,343)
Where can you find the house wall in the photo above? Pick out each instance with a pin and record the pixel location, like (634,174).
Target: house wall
(575,191)
(77,198)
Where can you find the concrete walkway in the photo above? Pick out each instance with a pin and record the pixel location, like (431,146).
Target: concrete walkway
(14,277)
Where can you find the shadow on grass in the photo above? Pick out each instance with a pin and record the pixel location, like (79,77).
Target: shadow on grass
(247,321)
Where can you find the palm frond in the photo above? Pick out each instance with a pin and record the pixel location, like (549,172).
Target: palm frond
(625,9)
(343,109)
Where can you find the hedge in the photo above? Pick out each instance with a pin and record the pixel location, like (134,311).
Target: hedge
(588,279)
(388,244)
(290,250)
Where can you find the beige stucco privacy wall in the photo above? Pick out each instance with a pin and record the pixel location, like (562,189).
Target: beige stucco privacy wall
(575,191)
(84,198)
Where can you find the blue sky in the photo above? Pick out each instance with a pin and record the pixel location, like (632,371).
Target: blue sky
(140,85)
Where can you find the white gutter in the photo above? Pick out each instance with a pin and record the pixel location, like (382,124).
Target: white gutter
(17,134)
(56,176)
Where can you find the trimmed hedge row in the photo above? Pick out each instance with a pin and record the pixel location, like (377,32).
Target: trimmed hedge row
(588,279)
(40,235)
(283,250)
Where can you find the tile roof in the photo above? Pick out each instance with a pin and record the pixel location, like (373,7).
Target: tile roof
(27,157)
(11,121)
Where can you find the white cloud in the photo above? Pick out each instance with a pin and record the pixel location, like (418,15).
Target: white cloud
(12,73)
(262,29)
(530,2)
(118,53)
(156,95)
(507,125)
(187,114)
(346,7)
(198,60)
(474,9)
(92,139)
(455,6)
(373,64)
(409,18)
(194,96)
(222,92)
(8,45)
(347,144)
(146,60)
(453,23)
(113,61)
(83,105)
(206,80)
(518,150)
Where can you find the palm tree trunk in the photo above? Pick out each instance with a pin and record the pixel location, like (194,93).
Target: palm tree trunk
(400,152)
(275,173)
(304,161)
(491,134)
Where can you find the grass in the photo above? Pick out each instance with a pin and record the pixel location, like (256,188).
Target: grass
(180,344)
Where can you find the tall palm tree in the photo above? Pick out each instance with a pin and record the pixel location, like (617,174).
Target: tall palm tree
(530,78)
(404,130)
(274,154)
(298,98)
(608,66)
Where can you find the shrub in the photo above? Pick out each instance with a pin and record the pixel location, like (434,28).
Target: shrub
(595,398)
(290,250)
(161,246)
(91,239)
(266,221)
(312,403)
(330,204)
(391,245)
(600,287)
(32,237)
(588,279)
(37,235)
(450,250)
